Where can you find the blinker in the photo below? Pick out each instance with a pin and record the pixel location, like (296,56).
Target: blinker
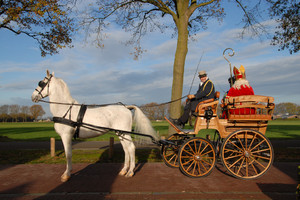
(42,84)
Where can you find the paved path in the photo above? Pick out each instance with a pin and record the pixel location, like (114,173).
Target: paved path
(151,181)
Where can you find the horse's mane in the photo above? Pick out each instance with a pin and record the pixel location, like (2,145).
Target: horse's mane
(65,89)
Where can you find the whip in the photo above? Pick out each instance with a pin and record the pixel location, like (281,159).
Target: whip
(196,73)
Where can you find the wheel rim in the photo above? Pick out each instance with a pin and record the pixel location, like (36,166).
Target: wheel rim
(197,157)
(170,152)
(247,154)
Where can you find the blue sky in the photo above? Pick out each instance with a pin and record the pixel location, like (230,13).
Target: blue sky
(109,75)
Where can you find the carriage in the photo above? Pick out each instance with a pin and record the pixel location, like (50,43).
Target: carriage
(239,141)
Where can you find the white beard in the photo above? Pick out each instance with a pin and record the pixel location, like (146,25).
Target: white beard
(241,82)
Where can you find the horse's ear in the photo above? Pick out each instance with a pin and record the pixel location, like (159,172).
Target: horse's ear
(48,73)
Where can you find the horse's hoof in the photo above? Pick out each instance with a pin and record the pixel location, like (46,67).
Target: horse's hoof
(64,178)
(122,173)
(129,174)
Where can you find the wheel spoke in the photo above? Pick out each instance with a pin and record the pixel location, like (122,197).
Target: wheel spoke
(232,150)
(195,164)
(259,163)
(262,157)
(203,166)
(207,152)
(253,166)
(187,162)
(240,166)
(253,139)
(199,168)
(190,166)
(246,139)
(191,148)
(172,158)
(241,144)
(199,146)
(188,152)
(235,162)
(260,150)
(204,148)
(233,156)
(235,145)
(257,145)
(206,162)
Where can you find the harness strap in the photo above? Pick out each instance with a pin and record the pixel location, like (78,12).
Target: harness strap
(69,122)
(79,120)
(64,121)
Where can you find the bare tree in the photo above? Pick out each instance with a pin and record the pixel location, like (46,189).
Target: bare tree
(37,111)
(25,112)
(4,111)
(155,111)
(14,111)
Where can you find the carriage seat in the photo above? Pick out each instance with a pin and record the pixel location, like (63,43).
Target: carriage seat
(250,108)
(213,103)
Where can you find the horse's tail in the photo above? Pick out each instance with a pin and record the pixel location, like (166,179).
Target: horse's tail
(142,123)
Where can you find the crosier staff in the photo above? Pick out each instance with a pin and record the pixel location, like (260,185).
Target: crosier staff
(232,54)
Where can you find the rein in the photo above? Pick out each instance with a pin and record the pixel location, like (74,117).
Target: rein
(103,105)
(77,104)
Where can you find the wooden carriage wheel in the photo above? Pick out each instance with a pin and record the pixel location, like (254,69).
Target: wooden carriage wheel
(247,154)
(170,152)
(197,157)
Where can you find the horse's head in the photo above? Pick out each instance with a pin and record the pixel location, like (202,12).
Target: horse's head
(42,90)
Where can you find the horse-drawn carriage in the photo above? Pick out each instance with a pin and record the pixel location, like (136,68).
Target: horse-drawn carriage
(239,141)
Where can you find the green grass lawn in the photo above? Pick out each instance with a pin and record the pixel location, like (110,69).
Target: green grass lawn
(277,129)
(42,131)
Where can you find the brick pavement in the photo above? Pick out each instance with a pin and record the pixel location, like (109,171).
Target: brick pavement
(151,181)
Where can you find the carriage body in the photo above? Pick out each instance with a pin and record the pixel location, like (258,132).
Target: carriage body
(253,112)
(241,144)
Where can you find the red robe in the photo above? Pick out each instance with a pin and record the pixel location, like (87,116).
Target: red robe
(240,87)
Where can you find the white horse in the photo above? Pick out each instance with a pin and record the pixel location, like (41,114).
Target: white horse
(117,117)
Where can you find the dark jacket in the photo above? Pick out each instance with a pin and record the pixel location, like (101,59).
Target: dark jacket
(205,91)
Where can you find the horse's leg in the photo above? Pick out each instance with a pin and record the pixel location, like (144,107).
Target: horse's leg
(126,160)
(129,150)
(67,142)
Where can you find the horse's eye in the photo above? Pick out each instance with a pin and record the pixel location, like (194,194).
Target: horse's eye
(42,84)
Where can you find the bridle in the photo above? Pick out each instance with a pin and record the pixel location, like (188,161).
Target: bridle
(42,85)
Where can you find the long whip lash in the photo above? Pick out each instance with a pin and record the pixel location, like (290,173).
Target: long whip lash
(196,73)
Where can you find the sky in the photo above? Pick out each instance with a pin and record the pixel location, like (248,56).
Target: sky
(110,74)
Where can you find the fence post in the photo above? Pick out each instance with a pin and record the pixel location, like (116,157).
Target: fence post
(52,147)
(111,148)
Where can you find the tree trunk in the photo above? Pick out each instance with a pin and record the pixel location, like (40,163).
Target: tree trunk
(178,68)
